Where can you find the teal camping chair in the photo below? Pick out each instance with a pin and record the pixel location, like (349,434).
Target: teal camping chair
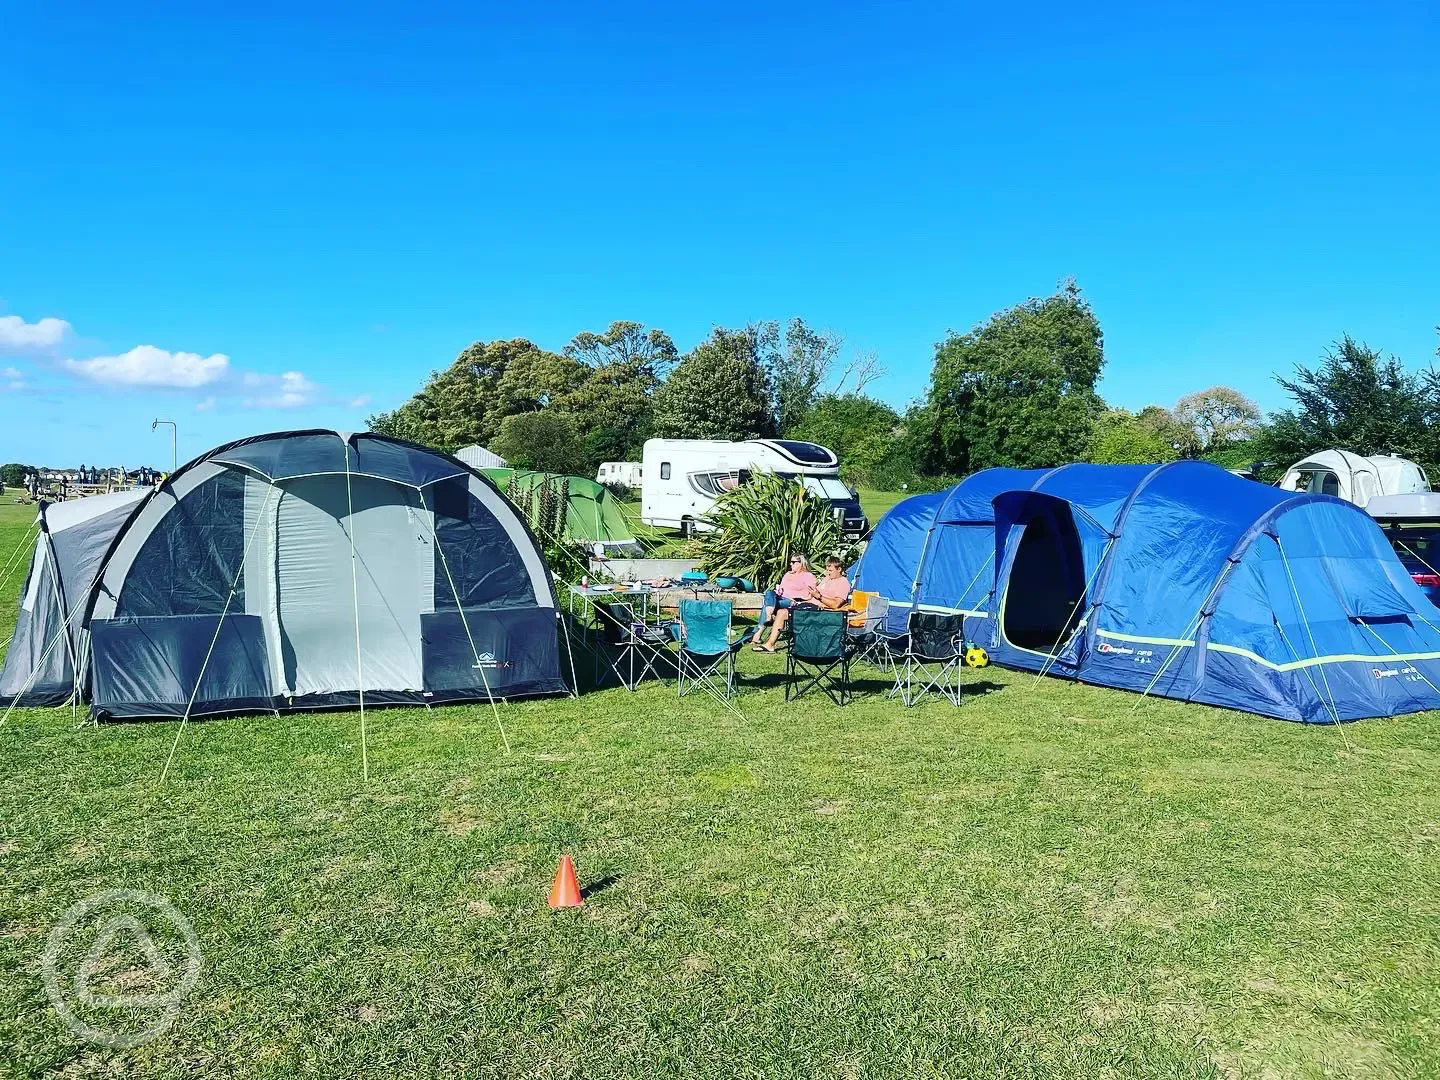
(819,646)
(707,654)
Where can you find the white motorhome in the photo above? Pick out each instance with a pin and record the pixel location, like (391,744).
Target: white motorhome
(619,472)
(682,478)
(1354,478)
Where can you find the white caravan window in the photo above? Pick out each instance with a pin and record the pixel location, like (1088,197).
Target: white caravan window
(664,470)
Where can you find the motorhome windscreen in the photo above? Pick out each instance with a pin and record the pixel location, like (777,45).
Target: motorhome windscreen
(805,453)
(827,487)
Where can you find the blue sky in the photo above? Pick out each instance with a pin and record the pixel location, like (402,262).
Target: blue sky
(337,199)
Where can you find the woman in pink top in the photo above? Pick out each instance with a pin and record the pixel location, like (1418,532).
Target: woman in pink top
(832,591)
(797,585)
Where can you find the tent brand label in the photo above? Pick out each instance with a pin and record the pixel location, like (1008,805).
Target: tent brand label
(1141,656)
(1387,673)
(490,660)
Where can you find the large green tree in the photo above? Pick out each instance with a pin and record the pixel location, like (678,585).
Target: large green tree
(859,429)
(1124,438)
(613,406)
(720,390)
(545,441)
(13,475)
(1218,416)
(1356,399)
(467,402)
(798,371)
(629,344)
(602,382)
(1018,389)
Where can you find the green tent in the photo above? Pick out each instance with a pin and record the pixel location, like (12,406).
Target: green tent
(592,514)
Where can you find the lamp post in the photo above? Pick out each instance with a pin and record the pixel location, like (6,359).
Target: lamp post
(174,434)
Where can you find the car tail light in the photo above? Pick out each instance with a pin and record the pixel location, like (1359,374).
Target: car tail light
(1432,580)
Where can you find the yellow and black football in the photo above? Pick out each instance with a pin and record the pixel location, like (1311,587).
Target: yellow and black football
(976,657)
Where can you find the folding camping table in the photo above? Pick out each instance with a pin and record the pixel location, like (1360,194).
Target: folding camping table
(636,646)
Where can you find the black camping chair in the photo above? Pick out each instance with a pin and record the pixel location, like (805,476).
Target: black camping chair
(934,651)
(818,647)
(632,646)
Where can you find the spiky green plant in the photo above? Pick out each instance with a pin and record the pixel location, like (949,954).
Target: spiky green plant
(760,524)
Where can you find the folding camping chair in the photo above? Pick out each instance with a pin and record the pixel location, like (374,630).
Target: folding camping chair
(934,650)
(818,646)
(707,654)
(867,633)
(633,647)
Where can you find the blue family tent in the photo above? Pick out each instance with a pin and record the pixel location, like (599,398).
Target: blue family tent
(936,552)
(1180,580)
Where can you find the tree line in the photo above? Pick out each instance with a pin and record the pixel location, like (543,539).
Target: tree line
(1018,389)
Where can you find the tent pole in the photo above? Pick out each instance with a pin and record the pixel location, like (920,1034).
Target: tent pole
(1304,621)
(460,607)
(34,673)
(355,598)
(1310,679)
(1192,627)
(219,625)
(69,645)
(15,560)
(570,650)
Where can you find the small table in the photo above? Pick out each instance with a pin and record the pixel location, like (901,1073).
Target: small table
(639,652)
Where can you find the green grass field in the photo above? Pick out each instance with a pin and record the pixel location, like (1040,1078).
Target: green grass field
(1047,882)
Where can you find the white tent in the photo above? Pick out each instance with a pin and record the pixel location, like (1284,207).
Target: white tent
(1354,478)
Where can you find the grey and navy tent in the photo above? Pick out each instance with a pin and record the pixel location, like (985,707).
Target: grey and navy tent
(297,570)
(1180,580)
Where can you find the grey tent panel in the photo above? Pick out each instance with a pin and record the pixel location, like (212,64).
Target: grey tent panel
(48,638)
(264,575)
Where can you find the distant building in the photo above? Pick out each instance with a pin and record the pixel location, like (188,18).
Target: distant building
(477,457)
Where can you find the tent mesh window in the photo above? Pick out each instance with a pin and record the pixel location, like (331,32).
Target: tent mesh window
(487,568)
(188,563)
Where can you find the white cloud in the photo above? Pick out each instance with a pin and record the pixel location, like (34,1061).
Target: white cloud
(145,365)
(359,402)
(16,335)
(11,373)
(288,391)
(208,405)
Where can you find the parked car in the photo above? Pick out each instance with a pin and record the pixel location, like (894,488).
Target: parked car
(1411,523)
(682,478)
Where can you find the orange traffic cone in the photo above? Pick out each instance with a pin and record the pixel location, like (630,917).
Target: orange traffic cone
(565,892)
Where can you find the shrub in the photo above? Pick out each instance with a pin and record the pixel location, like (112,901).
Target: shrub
(760,524)
(623,492)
